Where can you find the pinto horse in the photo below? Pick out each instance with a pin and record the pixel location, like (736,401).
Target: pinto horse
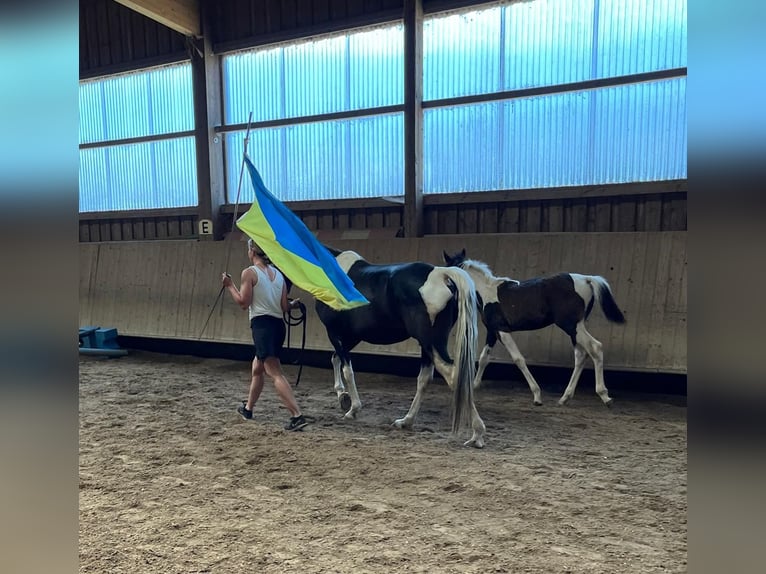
(417,300)
(565,299)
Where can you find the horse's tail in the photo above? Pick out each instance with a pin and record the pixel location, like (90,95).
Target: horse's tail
(603,294)
(466,339)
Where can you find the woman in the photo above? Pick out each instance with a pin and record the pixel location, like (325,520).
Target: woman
(264,294)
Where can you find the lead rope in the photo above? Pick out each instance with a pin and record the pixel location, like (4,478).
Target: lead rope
(294,321)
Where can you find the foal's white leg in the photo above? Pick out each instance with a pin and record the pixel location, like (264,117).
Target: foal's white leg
(484,360)
(425,376)
(450,374)
(356,402)
(579,355)
(595,349)
(344,399)
(518,358)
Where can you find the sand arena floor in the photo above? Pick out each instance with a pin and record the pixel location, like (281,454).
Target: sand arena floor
(172,480)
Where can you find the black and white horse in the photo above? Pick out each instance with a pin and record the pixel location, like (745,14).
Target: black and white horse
(565,299)
(415,300)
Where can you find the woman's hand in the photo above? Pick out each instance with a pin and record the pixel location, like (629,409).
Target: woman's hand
(294,303)
(226,279)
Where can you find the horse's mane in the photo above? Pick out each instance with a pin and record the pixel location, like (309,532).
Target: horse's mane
(484,268)
(479,266)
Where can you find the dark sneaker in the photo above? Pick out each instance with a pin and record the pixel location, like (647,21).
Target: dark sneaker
(296,423)
(244,412)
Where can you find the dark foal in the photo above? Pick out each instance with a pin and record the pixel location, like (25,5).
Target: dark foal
(415,300)
(565,299)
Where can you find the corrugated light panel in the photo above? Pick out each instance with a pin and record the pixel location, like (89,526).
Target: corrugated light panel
(550,42)
(461,54)
(360,157)
(153,102)
(629,133)
(637,36)
(546,42)
(640,132)
(146,175)
(533,142)
(635,132)
(340,73)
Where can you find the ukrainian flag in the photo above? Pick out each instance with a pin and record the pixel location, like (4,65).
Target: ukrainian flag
(294,249)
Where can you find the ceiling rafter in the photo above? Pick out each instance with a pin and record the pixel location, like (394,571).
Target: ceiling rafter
(180,15)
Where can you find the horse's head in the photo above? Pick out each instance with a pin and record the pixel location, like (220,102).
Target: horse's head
(335,252)
(455,260)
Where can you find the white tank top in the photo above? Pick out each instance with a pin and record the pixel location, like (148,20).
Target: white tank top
(267,294)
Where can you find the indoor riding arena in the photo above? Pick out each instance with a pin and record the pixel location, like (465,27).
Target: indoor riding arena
(546,138)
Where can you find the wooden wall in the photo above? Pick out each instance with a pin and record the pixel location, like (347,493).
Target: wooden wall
(114,39)
(166,289)
(650,212)
(178,223)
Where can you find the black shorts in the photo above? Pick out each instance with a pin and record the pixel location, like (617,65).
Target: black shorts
(268,336)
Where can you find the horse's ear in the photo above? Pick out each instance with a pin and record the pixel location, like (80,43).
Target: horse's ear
(446,257)
(462,253)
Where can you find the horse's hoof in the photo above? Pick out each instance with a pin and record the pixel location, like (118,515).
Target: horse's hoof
(345,401)
(350,415)
(563,401)
(475,443)
(538,403)
(401,424)
(608,403)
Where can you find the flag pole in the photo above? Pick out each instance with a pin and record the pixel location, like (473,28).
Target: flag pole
(239,187)
(233,223)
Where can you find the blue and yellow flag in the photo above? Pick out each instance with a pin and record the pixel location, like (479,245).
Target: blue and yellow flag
(287,241)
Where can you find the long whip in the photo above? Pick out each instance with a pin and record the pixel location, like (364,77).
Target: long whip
(233,223)
(239,187)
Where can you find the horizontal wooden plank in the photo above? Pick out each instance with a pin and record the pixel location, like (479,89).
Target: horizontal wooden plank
(138,214)
(340,204)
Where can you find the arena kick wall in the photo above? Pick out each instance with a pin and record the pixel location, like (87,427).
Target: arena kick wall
(165,289)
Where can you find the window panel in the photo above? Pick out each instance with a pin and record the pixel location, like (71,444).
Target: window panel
(336,74)
(146,175)
(252,83)
(461,54)
(640,132)
(635,132)
(547,42)
(637,36)
(361,157)
(139,104)
(550,42)
(533,142)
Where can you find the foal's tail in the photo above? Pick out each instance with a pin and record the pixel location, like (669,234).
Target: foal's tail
(603,294)
(466,339)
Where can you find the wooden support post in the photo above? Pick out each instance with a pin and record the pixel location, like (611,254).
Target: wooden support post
(413,118)
(206,79)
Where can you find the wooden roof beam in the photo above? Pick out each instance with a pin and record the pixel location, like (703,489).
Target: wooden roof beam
(180,15)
